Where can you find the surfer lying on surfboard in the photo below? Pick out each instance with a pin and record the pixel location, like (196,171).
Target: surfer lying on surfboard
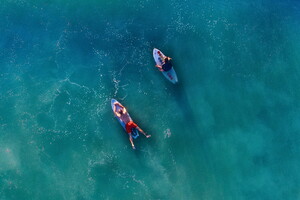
(167,64)
(123,115)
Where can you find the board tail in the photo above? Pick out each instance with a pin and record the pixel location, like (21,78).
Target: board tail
(134,133)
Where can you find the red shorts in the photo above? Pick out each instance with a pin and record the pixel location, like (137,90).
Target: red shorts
(130,125)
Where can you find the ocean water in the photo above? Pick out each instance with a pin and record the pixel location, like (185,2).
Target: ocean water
(230,129)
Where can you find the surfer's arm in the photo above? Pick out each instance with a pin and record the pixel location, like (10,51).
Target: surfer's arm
(131,141)
(116,113)
(140,130)
(117,103)
(159,67)
(115,107)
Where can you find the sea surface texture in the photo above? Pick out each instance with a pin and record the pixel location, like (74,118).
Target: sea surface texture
(229,130)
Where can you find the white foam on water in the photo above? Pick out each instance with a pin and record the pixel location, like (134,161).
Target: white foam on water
(167,133)
(9,158)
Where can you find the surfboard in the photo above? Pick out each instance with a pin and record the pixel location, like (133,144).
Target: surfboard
(159,58)
(134,132)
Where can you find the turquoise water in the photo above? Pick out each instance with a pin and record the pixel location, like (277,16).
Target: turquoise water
(229,130)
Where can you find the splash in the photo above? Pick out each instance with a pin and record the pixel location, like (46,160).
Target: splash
(167,133)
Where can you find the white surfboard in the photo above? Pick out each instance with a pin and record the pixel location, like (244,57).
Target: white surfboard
(159,58)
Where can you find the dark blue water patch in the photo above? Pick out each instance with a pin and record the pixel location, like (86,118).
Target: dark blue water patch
(13,190)
(7,110)
(107,181)
(45,121)
(87,78)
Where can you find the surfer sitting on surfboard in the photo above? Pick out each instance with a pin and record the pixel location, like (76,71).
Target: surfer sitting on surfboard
(123,115)
(166,66)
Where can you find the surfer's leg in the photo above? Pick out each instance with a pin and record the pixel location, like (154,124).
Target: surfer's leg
(140,130)
(131,141)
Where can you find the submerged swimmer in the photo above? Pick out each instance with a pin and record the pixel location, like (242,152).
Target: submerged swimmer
(123,115)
